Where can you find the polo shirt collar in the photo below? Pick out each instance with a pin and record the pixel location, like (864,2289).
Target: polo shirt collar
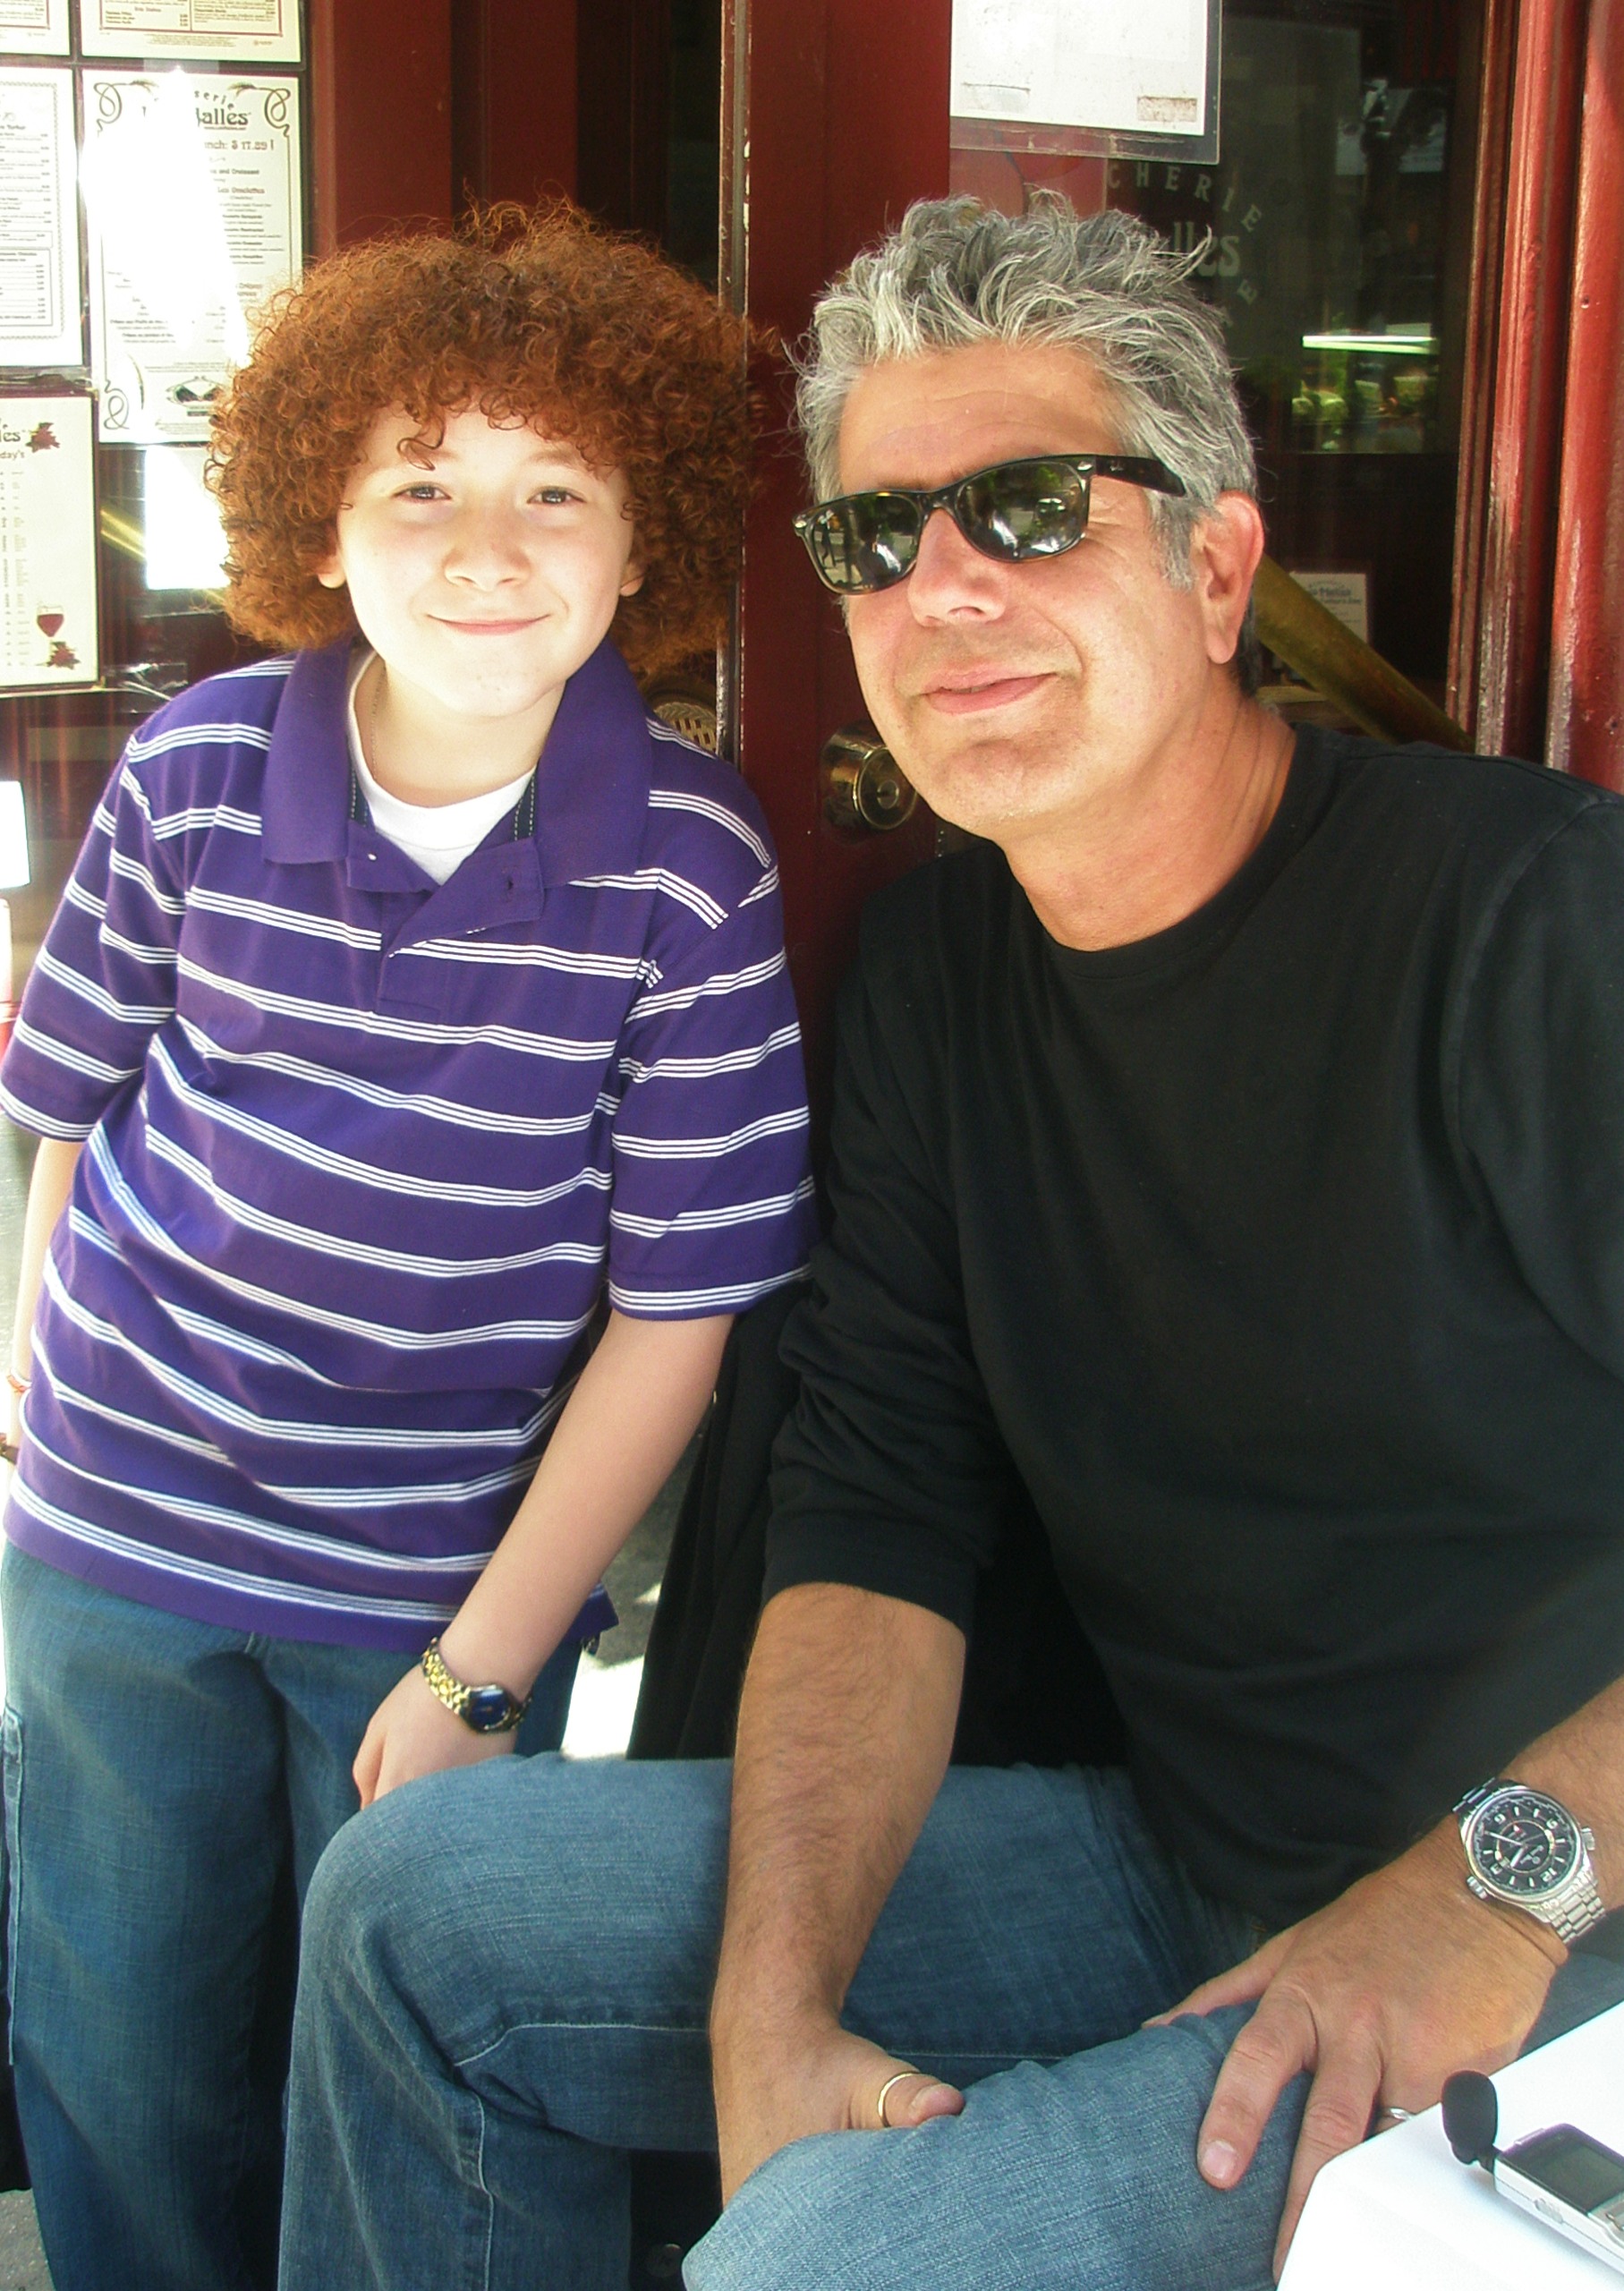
(592,782)
(304,809)
(591,785)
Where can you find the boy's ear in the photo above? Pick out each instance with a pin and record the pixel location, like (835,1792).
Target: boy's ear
(633,580)
(329,572)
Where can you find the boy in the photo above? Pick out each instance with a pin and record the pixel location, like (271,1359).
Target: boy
(370,1055)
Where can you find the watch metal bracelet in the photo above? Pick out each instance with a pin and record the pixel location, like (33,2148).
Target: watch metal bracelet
(483,1709)
(1570,1920)
(1581,1914)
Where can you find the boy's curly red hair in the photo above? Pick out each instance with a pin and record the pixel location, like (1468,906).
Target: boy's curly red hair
(541,317)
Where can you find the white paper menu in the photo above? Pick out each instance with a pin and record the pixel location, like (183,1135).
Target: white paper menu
(192,198)
(229,31)
(33,27)
(47,544)
(1082,64)
(39,314)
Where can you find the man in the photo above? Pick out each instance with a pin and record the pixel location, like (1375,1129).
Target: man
(1228,1153)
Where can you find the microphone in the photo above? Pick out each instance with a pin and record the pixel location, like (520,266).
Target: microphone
(1471,2118)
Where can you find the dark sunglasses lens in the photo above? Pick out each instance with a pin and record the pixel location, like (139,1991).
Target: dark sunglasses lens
(869,541)
(1025,510)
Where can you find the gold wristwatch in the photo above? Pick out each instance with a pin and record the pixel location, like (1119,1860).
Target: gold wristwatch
(486,1710)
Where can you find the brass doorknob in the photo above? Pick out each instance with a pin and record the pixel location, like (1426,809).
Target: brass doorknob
(862,785)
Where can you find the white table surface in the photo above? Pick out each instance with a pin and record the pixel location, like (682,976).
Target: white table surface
(1400,2214)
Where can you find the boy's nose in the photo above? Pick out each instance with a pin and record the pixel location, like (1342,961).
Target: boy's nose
(485,550)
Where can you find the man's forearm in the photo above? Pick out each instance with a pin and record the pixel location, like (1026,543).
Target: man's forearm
(845,1730)
(1582,1763)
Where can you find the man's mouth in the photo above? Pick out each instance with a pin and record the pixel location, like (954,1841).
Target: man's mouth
(969,691)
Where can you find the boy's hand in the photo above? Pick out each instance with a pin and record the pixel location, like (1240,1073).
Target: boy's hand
(412,1733)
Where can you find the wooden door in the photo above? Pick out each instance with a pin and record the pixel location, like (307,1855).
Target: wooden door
(835,116)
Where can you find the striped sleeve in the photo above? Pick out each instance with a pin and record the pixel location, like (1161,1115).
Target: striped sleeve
(103,980)
(713,1202)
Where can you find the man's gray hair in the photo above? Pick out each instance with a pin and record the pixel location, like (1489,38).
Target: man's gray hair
(958,273)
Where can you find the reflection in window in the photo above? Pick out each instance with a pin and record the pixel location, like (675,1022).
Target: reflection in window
(1338,221)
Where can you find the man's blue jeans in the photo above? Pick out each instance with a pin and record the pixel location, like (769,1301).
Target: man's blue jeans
(505,1987)
(169,1789)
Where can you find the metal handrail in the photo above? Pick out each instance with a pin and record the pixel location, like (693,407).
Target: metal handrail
(1314,644)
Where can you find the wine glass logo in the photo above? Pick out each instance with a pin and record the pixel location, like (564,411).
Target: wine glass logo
(62,655)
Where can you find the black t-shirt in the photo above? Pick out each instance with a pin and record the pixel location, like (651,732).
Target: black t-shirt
(1281,1255)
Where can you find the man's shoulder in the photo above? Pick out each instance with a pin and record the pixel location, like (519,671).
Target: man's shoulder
(1416,839)
(1499,799)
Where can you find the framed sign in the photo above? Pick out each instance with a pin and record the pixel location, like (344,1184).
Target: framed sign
(39,314)
(192,196)
(1087,76)
(47,544)
(34,27)
(220,31)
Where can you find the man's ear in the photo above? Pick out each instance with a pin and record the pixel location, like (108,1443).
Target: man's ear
(1224,556)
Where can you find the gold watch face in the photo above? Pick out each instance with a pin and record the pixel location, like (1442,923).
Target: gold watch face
(1524,1846)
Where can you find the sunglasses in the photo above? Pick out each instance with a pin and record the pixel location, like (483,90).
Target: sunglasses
(1013,511)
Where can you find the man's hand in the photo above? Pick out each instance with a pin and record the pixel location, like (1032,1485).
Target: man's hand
(412,1733)
(769,2093)
(1403,1980)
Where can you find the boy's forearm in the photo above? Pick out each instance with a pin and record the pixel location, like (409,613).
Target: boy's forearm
(630,1414)
(55,1163)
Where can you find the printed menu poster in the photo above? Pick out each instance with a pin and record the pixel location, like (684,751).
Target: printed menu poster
(39,322)
(192,190)
(230,32)
(1082,64)
(34,27)
(47,544)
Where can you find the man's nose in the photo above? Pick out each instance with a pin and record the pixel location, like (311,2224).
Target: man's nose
(952,580)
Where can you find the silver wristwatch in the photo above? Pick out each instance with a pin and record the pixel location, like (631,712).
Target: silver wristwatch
(1525,1850)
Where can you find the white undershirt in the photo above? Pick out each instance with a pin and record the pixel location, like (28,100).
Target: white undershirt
(438,836)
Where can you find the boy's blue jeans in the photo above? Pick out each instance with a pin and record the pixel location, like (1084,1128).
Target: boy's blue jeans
(169,1787)
(505,1980)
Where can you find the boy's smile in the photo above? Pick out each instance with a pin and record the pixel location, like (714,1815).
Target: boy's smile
(483,572)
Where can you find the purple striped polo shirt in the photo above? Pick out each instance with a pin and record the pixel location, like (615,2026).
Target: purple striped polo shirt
(365,1153)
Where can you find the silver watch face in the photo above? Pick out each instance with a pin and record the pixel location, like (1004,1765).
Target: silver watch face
(1524,1846)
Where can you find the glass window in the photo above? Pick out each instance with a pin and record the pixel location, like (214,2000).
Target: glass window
(1336,225)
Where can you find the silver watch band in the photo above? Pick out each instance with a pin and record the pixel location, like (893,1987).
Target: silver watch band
(1580,1913)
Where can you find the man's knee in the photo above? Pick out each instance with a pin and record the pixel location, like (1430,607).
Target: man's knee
(1081,2176)
(396,1882)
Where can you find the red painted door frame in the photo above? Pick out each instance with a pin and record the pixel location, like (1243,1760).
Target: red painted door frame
(380,103)
(1585,731)
(835,117)
(1537,657)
